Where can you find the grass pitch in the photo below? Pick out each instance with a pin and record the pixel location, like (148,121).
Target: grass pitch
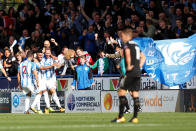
(97,122)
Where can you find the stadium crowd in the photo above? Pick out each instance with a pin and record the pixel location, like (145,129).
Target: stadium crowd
(72,28)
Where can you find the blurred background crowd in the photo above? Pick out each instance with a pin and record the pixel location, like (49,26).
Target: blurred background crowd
(88,27)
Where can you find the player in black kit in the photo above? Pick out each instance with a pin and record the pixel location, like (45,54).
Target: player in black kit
(134,60)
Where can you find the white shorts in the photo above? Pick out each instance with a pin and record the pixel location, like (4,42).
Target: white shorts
(42,87)
(26,90)
(50,83)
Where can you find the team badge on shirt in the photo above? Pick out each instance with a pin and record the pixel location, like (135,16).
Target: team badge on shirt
(86,68)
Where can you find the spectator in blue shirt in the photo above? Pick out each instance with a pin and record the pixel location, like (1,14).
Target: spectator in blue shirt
(83,77)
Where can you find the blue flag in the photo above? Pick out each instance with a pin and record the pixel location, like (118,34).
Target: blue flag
(171,62)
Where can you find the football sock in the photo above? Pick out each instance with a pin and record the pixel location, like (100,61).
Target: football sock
(38,105)
(127,104)
(27,102)
(36,101)
(122,102)
(56,99)
(46,98)
(136,106)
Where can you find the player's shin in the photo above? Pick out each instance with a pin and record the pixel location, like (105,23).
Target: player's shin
(122,103)
(46,98)
(136,106)
(56,99)
(36,100)
(27,103)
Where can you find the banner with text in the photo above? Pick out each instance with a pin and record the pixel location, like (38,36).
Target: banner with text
(5,102)
(82,101)
(150,101)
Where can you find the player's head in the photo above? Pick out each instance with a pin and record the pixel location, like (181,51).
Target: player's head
(30,55)
(126,35)
(82,59)
(47,52)
(39,55)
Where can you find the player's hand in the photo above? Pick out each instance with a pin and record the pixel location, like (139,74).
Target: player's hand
(129,68)
(9,79)
(73,87)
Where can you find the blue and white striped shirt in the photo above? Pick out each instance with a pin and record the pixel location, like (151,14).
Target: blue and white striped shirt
(40,73)
(49,73)
(26,73)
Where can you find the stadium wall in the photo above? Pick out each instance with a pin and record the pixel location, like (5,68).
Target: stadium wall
(152,97)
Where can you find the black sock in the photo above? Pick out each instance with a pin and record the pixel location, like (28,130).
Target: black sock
(127,104)
(122,101)
(136,106)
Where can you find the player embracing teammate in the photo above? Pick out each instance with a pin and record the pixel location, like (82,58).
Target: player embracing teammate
(42,70)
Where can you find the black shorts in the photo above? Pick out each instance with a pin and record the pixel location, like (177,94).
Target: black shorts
(131,83)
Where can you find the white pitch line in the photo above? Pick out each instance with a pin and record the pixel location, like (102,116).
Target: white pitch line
(78,126)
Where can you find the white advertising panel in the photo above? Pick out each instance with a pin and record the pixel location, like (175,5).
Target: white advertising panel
(149,83)
(109,101)
(18,102)
(150,101)
(82,101)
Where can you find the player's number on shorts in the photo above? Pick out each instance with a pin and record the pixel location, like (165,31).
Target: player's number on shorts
(24,69)
(137,49)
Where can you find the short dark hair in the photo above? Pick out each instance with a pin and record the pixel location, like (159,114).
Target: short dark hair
(30,54)
(127,31)
(39,51)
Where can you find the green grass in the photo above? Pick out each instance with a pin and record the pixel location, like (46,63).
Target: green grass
(97,122)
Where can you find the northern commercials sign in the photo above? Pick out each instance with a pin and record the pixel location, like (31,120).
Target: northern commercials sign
(82,101)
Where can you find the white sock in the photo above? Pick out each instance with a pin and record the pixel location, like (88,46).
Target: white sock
(36,100)
(56,99)
(27,103)
(46,98)
(38,104)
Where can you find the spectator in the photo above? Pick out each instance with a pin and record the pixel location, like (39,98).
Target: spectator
(23,38)
(69,62)
(89,41)
(179,29)
(163,31)
(8,62)
(102,63)
(190,27)
(150,29)
(83,77)
(80,52)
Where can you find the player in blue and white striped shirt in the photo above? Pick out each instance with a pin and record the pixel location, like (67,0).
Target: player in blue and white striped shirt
(42,77)
(51,77)
(26,71)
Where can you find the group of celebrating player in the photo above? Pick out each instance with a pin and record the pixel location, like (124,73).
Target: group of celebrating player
(39,72)
(37,75)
